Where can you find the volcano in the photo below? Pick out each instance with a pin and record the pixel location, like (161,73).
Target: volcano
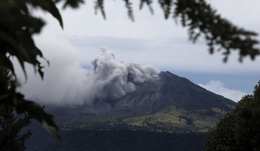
(168,100)
(166,90)
(171,105)
(173,90)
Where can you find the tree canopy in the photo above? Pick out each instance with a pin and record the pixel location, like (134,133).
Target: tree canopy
(238,130)
(10,123)
(18,24)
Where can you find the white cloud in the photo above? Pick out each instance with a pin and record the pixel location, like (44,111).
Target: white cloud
(219,88)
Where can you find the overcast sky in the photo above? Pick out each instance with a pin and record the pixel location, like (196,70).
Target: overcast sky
(151,39)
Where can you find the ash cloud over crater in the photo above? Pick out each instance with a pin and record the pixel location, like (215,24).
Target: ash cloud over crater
(67,83)
(112,78)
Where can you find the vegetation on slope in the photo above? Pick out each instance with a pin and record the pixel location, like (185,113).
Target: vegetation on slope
(170,119)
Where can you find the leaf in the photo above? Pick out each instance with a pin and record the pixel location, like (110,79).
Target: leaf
(7,64)
(8,40)
(36,111)
(49,6)
(129,9)
(99,5)
(29,49)
(73,3)
(40,70)
(166,5)
(148,3)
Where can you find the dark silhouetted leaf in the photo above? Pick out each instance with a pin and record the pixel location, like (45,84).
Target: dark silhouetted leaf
(37,112)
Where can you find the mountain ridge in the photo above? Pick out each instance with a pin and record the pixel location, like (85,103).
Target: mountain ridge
(173,90)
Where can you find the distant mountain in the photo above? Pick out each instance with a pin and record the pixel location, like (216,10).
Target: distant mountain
(173,90)
(168,104)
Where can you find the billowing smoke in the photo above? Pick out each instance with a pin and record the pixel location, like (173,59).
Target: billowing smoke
(67,83)
(111,79)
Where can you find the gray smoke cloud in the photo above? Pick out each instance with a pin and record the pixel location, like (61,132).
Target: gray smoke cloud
(67,83)
(111,78)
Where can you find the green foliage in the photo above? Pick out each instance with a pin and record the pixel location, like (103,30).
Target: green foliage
(169,119)
(239,130)
(11,138)
(11,124)
(223,134)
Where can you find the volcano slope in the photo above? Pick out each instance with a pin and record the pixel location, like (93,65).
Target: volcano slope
(169,113)
(169,103)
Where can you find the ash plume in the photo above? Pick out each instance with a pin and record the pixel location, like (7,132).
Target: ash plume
(67,83)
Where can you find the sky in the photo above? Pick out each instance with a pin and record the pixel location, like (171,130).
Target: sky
(152,40)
